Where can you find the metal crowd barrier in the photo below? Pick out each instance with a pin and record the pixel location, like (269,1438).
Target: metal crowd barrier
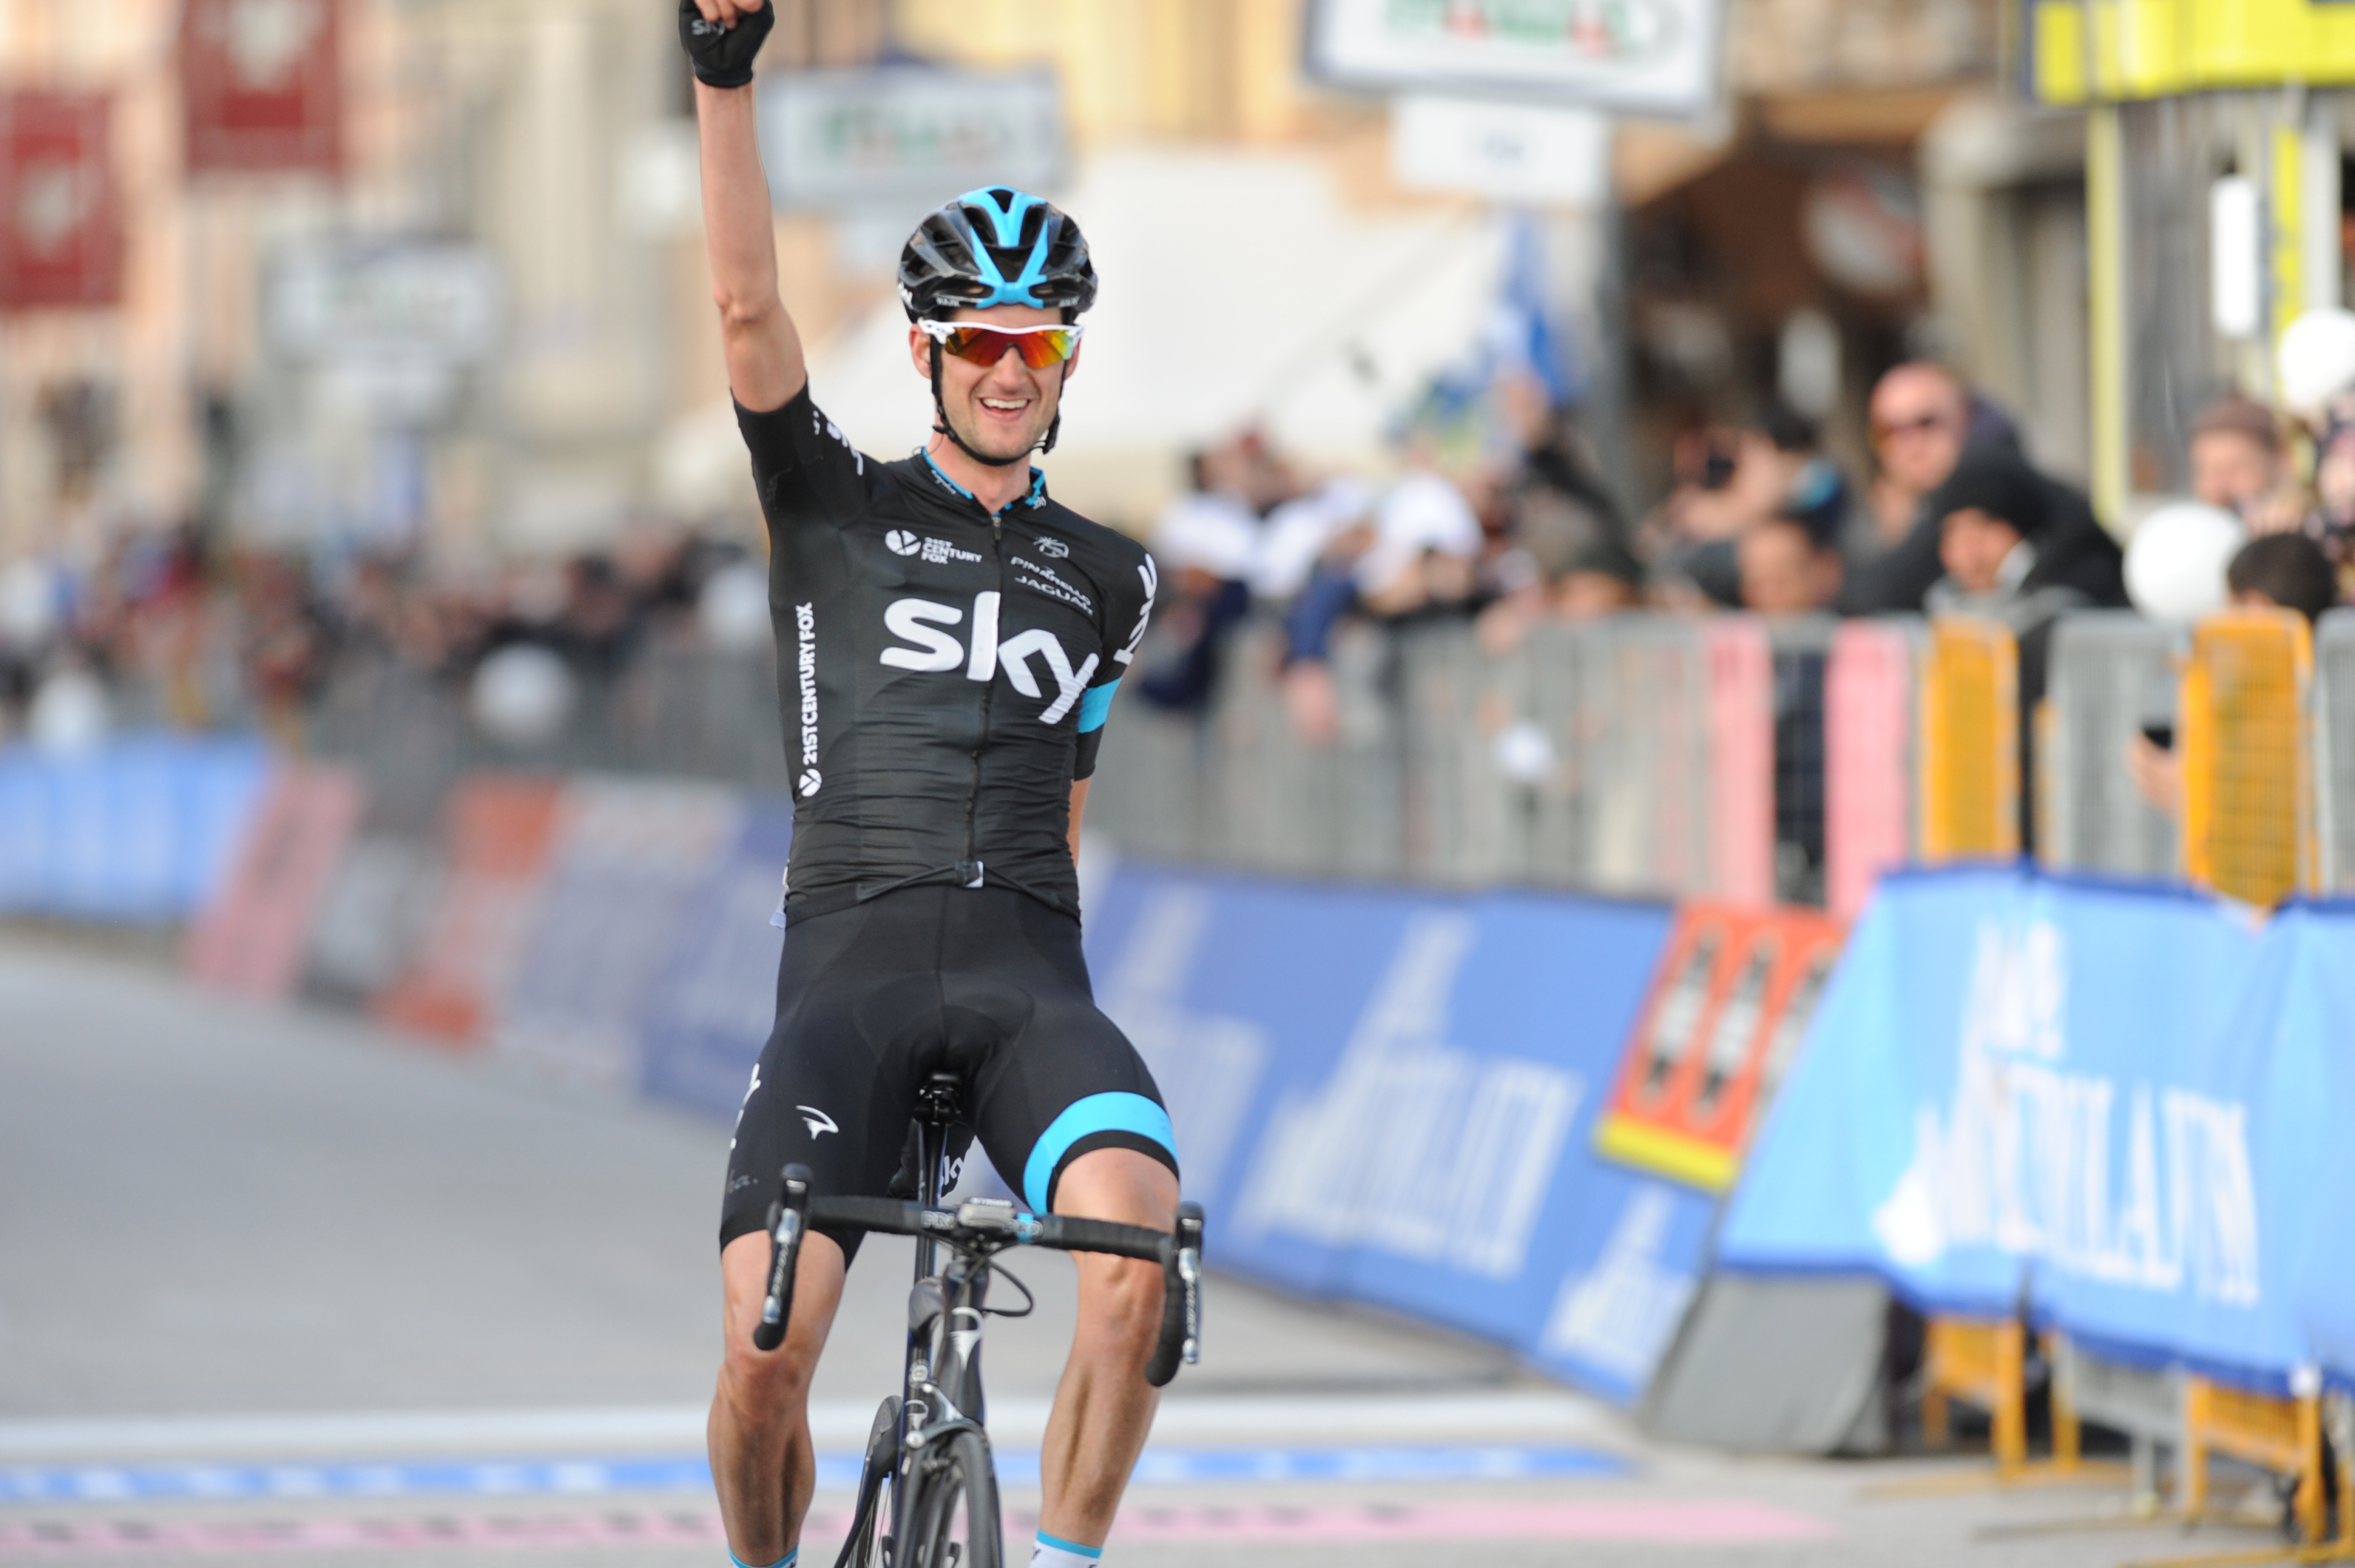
(2112,682)
(1650,755)
(1726,757)
(2248,781)
(2334,751)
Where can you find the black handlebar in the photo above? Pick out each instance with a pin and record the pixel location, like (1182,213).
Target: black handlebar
(1178,1252)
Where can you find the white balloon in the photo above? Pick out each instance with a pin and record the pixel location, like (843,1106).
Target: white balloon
(28,605)
(734,608)
(70,712)
(523,694)
(2176,561)
(2316,359)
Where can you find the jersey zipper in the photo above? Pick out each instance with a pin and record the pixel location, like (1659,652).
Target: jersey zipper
(970,871)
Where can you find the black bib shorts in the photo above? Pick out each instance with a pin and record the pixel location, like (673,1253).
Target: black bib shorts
(871,1001)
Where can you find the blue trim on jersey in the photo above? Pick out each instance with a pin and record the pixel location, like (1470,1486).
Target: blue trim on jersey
(1057,1543)
(1095,706)
(1037,496)
(1112,1113)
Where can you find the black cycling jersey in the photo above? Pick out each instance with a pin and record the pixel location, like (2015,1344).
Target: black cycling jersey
(943,672)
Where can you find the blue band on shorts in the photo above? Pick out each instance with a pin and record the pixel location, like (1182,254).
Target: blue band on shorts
(1116,1112)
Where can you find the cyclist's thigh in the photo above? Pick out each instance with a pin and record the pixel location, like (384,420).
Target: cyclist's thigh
(1060,1080)
(834,1087)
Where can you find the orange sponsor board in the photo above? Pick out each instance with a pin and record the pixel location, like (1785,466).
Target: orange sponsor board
(1729,1006)
(498,834)
(251,937)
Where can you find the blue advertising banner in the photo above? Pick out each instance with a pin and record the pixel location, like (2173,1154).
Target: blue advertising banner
(628,857)
(2309,1168)
(141,827)
(714,998)
(1390,1096)
(2086,1096)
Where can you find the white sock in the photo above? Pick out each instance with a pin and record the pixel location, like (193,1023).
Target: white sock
(1054,1551)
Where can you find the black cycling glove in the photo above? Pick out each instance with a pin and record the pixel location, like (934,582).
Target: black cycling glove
(722,56)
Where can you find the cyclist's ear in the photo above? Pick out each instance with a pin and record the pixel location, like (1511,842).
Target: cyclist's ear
(920,351)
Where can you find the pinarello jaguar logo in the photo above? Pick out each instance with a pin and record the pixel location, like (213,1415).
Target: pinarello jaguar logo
(899,541)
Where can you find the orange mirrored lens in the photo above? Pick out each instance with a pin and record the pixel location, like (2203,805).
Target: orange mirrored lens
(1039,346)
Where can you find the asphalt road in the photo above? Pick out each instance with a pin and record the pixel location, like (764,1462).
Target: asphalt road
(277,1286)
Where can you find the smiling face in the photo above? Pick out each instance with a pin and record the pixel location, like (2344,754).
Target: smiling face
(1004,408)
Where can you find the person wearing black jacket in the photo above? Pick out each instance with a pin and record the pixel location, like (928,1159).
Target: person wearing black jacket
(2016,548)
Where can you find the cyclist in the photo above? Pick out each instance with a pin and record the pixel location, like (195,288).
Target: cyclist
(949,640)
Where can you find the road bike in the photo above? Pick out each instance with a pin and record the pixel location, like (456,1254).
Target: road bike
(928,1480)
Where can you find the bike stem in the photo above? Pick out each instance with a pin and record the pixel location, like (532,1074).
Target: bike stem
(937,1109)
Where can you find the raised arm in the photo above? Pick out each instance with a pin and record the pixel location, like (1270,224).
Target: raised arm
(763,351)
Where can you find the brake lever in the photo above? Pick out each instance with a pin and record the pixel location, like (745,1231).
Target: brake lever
(787,1219)
(1189,1274)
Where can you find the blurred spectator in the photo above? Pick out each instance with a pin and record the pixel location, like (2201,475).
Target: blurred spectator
(1726,480)
(2012,554)
(1207,546)
(1789,566)
(1778,471)
(2010,551)
(2271,572)
(1298,533)
(2238,462)
(1926,424)
(1416,555)
(2285,571)
(1920,415)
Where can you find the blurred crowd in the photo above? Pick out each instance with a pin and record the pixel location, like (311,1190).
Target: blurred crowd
(1504,532)
(1954,517)
(180,629)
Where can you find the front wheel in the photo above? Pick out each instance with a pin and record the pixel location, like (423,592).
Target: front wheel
(953,1521)
(870,1545)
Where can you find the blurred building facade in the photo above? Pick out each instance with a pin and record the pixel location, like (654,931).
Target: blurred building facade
(517,356)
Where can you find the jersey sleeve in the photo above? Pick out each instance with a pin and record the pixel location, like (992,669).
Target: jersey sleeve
(1128,610)
(807,471)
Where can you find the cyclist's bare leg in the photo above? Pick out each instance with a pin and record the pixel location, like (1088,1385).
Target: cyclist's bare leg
(760,1440)
(1103,1407)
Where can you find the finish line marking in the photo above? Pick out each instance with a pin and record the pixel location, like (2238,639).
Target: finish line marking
(597,1476)
(1692,1521)
(1505,1416)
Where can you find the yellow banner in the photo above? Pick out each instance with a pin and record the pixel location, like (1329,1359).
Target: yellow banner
(2081,50)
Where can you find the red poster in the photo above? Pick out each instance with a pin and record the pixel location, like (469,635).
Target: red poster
(501,829)
(61,226)
(250,937)
(263,84)
(1734,995)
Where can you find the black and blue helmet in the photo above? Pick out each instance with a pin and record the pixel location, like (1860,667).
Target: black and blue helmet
(995,246)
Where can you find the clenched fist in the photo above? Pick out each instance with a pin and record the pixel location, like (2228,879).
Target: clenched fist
(722,36)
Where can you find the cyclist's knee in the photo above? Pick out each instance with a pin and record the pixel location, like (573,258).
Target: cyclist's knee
(769,1377)
(1121,1297)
